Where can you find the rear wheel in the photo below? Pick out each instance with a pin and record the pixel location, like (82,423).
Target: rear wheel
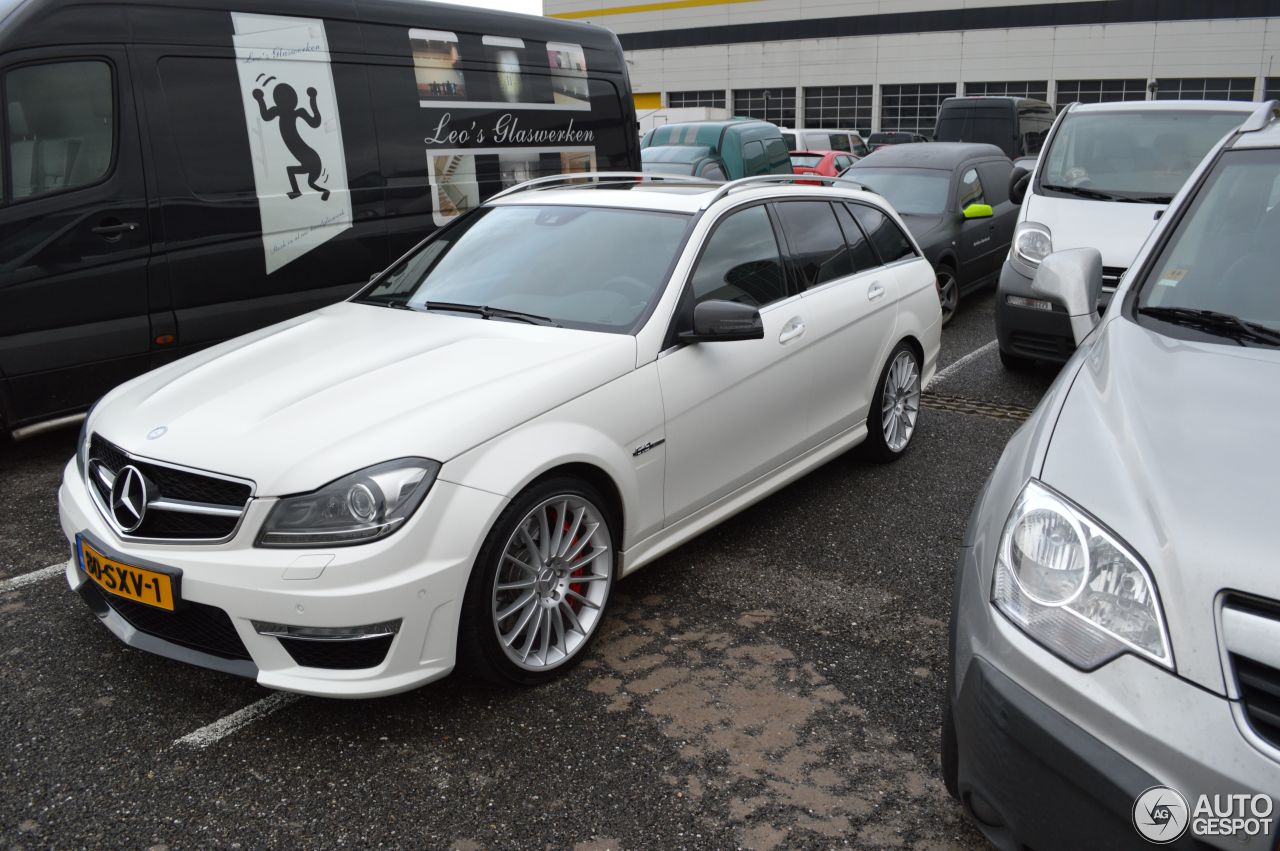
(895,407)
(539,590)
(948,292)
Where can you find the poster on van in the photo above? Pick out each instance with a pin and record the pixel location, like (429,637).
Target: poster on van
(295,134)
(456,174)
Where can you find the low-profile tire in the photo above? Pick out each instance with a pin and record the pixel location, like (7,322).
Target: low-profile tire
(540,587)
(895,406)
(948,291)
(1015,363)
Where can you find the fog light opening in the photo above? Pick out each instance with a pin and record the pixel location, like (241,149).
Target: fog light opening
(328,633)
(1032,303)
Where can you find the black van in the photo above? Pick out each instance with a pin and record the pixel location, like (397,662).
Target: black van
(1015,125)
(176,173)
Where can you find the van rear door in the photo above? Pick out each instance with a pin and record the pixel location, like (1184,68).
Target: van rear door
(74,238)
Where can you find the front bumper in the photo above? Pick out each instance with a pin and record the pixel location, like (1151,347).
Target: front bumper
(1027,332)
(416,576)
(1051,757)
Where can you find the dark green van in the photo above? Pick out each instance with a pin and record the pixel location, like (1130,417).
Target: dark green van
(718,150)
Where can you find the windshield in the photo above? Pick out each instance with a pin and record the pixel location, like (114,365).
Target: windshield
(1143,155)
(911,191)
(1224,253)
(888,138)
(586,267)
(806,160)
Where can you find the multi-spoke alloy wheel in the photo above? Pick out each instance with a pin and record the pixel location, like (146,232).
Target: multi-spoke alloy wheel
(550,589)
(948,293)
(897,404)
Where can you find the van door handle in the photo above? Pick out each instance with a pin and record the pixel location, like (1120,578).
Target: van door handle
(115,229)
(793,330)
(875,291)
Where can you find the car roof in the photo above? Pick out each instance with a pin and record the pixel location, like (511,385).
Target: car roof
(674,197)
(1260,130)
(1241,106)
(674,153)
(942,155)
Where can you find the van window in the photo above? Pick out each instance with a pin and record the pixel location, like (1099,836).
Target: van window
(61,126)
(789,139)
(741,261)
(977,124)
(887,237)
(753,158)
(840,142)
(778,155)
(1033,125)
(818,250)
(713,171)
(970,190)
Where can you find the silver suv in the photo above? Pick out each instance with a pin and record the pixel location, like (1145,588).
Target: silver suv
(1116,622)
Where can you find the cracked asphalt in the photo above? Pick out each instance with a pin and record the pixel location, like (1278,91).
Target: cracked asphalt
(776,682)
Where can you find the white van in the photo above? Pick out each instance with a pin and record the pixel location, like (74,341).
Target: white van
(824,140)
(1105,175)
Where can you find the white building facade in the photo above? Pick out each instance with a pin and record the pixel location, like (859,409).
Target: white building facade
(887,64)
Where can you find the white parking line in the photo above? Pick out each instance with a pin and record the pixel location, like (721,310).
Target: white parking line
(225,726)
(16,582)
(958,364)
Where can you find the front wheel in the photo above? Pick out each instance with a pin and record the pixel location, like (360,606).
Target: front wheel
(948,292)
(895,407)
(539,589)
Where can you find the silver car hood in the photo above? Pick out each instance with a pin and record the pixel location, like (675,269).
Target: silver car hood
(1173,445)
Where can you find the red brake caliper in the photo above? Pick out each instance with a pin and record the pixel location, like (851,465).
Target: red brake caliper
(576,587)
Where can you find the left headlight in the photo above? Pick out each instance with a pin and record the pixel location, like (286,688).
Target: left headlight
(364,506)
(1073,586)
(82,443)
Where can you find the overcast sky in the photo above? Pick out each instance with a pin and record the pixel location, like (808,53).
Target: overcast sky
(529,7)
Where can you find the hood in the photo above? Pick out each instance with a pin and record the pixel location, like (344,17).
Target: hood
(301,403)
(921,225)
(1171,445)
(1115,228)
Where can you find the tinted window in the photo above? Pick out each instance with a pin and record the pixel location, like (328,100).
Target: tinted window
(789,139)
(818,250)
(753,160)
(995,180)
(840,142)
(1034,125)
(741,262)
(860,148)
(977,125)
(970,189)
(712,171)
(887,237)
(860,251)
(60,126)
(911,191)
(777,152)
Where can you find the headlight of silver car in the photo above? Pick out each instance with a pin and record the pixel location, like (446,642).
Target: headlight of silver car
(1074,587)
(364,506)
(1032,242)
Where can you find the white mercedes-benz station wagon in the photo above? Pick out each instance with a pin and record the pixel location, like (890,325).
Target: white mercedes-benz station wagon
(455,465)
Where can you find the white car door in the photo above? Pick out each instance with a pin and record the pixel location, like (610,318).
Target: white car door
(850,301)
(735,410)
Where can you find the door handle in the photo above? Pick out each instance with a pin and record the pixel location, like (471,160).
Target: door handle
(793,330)
(875,291)
(114,229)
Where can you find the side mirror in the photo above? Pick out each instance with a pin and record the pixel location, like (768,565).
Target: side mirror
(1072,280)
(1019,179)
(978,211)
(719,321)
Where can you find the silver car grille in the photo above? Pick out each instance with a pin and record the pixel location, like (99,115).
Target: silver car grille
(1251,637)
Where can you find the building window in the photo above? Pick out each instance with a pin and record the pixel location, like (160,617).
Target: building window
(1271,89)
(1038,89)
(1099,91)
(838,108)
(776,105)
(912,108)
(708,97)
(1199,88)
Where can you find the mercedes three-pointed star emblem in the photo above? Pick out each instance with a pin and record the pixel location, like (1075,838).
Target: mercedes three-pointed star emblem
(129,498)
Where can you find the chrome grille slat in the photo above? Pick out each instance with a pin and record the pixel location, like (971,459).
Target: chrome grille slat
(1251,638)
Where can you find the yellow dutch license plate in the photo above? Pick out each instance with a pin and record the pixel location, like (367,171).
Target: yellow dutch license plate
(139,584)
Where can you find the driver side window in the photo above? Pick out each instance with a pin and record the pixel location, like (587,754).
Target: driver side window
(741,262)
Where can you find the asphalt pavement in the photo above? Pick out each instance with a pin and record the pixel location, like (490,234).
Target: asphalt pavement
(776,682)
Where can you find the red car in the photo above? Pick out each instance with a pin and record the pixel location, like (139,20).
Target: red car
(827,163)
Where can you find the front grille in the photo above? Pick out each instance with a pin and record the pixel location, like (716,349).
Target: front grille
(340,655)
(1111,276)
(1257,680)
(195,626)
(195,506)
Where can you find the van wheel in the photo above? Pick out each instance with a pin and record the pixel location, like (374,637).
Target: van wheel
(895,406)
(540,587)
(948,291)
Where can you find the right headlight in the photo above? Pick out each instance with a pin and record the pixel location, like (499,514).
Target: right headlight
(1032,242)
(1074,587)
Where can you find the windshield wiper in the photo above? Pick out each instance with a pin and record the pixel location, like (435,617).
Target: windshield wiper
(1215,322)
(486,312)
(1079,191)
(1149,199)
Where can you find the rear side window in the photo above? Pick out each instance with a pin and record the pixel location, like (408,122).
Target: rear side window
(860,250)
(61,126)
(741,261)
(888,238)
(818,250)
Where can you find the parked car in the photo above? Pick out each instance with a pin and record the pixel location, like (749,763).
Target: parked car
(1116,624)
(955,199)
(1103,179)
(848,141)
(716,150)
(460,461)
(176,177)
(1015,125)
(826,163)
(876,141)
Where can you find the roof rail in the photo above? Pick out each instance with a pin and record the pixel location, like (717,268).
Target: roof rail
(551,181)
(748,182)
(1266,112)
